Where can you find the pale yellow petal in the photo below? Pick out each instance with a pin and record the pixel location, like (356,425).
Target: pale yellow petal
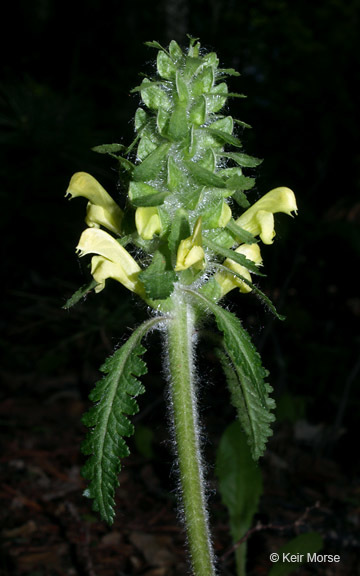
(96,241)
(83,184)
(225,216)
(227,281)
(256,220)
(266,226)
(102,269)
(147,221)
(97,216)
(190,251)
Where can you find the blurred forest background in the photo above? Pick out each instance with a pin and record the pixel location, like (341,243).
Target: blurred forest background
(66,74)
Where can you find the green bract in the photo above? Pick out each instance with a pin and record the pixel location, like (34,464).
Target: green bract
(186,212)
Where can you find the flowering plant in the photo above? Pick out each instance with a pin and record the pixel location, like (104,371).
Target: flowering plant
(185,236)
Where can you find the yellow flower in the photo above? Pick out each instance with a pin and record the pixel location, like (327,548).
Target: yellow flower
(112,260)
(147,221)
(190,251)
(101,209)
(259,218)
(228,281)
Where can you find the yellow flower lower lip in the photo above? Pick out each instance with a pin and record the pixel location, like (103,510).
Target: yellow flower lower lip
(228,281)
(101,209)
(259,219)
(190,252)
(147,221)
(111,260)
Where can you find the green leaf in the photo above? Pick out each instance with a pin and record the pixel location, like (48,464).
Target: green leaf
(178,127)
(154,44)
(243,159)
(236,256)
(204,177)
(228,72)
(150,167)
(203,82)
(180,229)
(225,124)
(302,545)
(142,194)
(108,148)
(176,178)
(240,485)
(157,279)
(197,113)
(239,233)
(225,137)
(241,123)
(246,378)
(153,95)
(175,51)
(114,398)
(255,289)
(165,66)
(240,198)
(240,183)
(79,294)
(217,99)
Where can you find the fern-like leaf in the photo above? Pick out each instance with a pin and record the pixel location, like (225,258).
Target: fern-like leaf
(114,398)
(246,378)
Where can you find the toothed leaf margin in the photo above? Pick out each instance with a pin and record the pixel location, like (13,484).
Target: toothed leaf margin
(114,398)
(246,378)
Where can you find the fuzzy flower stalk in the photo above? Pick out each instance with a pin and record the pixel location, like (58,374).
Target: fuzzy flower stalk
(185,207)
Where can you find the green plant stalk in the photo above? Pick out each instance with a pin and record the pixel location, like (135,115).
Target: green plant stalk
(180,330)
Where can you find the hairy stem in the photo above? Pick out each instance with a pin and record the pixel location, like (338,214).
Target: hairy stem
(180,341)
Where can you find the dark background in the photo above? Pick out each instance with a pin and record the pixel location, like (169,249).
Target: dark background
(67,71)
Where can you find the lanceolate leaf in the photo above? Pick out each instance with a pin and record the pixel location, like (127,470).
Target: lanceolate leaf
(246,378)
(114,398)
(255,289)
(79,294)
(236,256)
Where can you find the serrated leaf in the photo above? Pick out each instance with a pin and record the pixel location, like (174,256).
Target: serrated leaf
(240,183)
(175,51)
(178,127)
(204,177)
(240,234)
(197,113)
(142,194)
(154,44)
(157,279)
(243,159)
(225,137)
(180,229)
(203,82)
(79,294)
(236,256)
(114,398)
(217,99)
(241,123)
(246,378)
(108,148)
(240,198)
(150,167)
(229,72)
(165,66)
(255,289)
